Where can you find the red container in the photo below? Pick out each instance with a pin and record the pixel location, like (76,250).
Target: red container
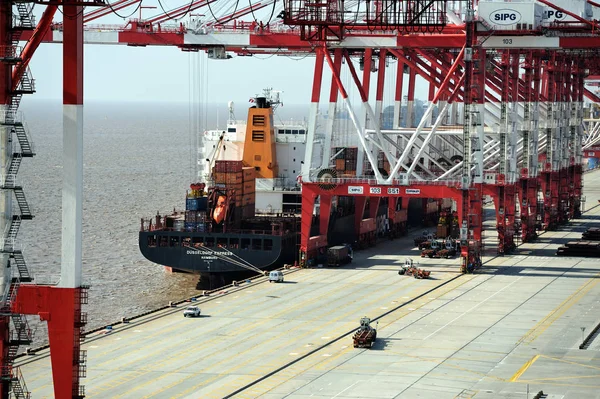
(367,225)
(228,166)
(400,216)
(317,242)
(248,199)
(432,207)
(234,166)
(248,187)
(233,177)
(249,173)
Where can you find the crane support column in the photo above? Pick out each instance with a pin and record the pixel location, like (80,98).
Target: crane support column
(577,138)
(398,96)
(410,116)
(333,96)
(366,85)
(5,195)
(471,212)
(312,117)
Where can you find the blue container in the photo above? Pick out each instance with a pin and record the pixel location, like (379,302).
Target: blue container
(190,226)
(202,203)
(592,163)
(191,204)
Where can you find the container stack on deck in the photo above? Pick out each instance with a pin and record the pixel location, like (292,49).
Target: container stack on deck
(195,209)
(248,192)
(345,161)
(229,177)
(382,162)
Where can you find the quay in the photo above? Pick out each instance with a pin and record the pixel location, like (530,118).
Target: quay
(513,327)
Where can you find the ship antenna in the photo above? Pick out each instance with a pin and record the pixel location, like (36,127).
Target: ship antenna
(231,119)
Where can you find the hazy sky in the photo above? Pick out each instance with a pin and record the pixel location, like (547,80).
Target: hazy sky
(121,73)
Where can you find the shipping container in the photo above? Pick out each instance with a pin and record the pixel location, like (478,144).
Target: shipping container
(248,199)
(442,231)
(432,207)
(317,242)
(249,187)
(202,203)
(228,166)
(200,227)
(190,216)
(338,255)
(249,173)
(447,203)
(178,225)
(351,153)
(350,164)
(200,216)
(190,226)
(191,204)
(400,216)
(340,164)
(367,225)
(228,177)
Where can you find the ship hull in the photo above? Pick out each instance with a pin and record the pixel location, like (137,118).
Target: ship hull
(181,251)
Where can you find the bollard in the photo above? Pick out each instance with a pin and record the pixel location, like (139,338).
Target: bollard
(171,305)
(205,293)
(234,283)
(29,351)
(124,320)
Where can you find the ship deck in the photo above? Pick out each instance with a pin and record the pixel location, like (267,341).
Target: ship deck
(514,327)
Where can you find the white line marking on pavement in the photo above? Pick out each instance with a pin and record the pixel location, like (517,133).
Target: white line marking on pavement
(467,311)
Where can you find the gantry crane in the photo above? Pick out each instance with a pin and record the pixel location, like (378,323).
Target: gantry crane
(504,120)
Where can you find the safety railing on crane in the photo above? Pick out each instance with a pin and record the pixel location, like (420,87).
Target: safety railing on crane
(395,182)
(9,53)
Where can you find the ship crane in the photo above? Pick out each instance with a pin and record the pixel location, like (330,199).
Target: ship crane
(516,91)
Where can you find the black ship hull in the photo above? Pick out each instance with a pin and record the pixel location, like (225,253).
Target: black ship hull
(201,253)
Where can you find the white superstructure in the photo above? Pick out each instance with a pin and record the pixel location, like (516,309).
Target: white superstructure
(272,195)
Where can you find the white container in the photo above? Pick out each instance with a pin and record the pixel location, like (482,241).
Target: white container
(580,8)
(178,224)
(501,15)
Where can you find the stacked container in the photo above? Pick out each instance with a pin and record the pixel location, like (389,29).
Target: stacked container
(228,177)
(345,161)
(195,211)
(248,192)
(382,162)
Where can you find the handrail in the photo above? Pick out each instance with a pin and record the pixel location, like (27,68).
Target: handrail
(11,116)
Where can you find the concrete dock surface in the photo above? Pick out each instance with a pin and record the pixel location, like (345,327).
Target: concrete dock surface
(513,327)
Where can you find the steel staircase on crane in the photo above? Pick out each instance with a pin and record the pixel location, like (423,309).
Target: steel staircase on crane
(19,261)
(11,119)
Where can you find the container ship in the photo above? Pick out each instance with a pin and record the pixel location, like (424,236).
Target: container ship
(243,217)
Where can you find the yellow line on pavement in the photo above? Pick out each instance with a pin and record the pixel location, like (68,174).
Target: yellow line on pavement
(547,321)
(523,369)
